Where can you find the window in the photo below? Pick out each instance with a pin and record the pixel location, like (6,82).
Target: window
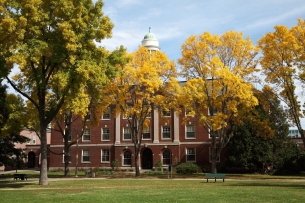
(166,113)
(106,134)
(29,137)
(86,135)
(106,114)
(127,133)
(166,132)
(105,155)
(34,139)
(190,154)
(190,131)
(127,158)
(215,133)
(69,157)
(216,151)
(146,134)
(69,135)
(212,111)
(166,157)
(86,156)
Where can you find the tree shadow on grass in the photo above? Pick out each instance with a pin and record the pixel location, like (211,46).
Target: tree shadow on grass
(14,184)
(294,185)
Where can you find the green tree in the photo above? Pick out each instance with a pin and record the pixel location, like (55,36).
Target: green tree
(217,90)
(11,123)
(52,43)
(283,66)
(261,143)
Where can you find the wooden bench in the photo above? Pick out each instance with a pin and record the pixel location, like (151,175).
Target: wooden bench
(20,177)
(215,176)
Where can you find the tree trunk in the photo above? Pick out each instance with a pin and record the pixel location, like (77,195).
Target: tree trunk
(66,159)
(43,179)
(137,165)
(214,154)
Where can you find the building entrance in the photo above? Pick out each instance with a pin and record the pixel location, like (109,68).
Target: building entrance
(147,159)
(31,160)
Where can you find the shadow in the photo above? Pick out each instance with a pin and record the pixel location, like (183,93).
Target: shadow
(274,183)
(15,184)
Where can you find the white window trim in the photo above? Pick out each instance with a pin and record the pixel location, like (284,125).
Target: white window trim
(63,157)
(124,133)
(193,161)
(109,112)
(82,161)
(187,132)
(168,131)
(146,131)
(123,163)
(34,139)
(29,136)
(102,138)
(84,136)
(102,156)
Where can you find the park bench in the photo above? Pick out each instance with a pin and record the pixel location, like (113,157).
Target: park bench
(20,177)
(215,176)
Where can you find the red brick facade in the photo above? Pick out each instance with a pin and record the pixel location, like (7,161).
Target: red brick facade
(172,147)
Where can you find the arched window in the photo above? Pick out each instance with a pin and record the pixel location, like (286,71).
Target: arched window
(166,155)
(127,158)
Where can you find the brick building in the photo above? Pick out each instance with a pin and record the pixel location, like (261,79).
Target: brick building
(168,139)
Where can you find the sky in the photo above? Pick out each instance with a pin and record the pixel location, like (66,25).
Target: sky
(173,21)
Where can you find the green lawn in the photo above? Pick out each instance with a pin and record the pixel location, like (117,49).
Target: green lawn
(153,190)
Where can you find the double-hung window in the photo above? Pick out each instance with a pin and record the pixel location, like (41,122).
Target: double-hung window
(86,155)
(127,158)
(127,133)
(105,155)
(166,132)
(86,135)
(190,131)
(190,154)
(106,134)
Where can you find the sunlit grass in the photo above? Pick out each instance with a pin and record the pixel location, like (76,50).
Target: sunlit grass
(153,190)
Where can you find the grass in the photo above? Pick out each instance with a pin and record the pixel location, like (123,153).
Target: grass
(239,188)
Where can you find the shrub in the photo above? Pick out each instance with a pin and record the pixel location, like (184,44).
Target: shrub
(115,165)
(187,168)
(158,165)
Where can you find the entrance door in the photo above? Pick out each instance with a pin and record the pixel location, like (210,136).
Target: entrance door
(147,159)
(31,160)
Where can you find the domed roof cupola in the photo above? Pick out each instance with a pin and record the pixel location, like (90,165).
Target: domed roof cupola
(150,42)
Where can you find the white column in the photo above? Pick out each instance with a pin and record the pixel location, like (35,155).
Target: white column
(156,126)
(176,127)
(118,129)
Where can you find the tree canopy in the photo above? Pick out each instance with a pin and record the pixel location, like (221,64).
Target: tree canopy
(217,68)
(53,44)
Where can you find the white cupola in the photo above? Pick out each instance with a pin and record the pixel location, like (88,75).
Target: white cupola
(150,42)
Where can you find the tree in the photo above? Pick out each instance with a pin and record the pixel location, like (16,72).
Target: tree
(53,45)
(216,90)
(11,122)
(79,108)
(146,82)
(261,142)
(283,66)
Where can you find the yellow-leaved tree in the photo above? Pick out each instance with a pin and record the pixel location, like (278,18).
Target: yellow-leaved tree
(147,82)
(217,68)
(283,65)
(53,45)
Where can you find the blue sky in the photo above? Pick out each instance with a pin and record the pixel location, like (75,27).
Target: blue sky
(173,22)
